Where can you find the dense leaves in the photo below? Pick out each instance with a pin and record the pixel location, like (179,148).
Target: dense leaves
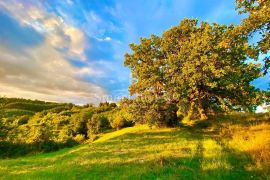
(257,24)
(23,130)
(201,68)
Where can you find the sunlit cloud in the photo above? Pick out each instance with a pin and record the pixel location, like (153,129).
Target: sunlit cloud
(42,71)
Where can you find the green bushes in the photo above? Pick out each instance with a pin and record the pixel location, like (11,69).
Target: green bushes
(97,124)
(119,118)
(117,121)
(153,112)
(79,138)
(22,120)
(23,131)
(9,149)
(79,121)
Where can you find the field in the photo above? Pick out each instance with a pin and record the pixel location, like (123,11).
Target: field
(233,147)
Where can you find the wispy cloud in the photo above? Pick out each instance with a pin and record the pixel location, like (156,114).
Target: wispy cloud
(42,71)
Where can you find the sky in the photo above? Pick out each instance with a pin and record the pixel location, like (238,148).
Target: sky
(73,50)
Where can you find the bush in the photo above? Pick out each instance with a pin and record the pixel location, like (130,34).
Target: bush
(79,122)
(97,124)
(117,121)
(153,112)
(23,120)
(79,138)
(120,118)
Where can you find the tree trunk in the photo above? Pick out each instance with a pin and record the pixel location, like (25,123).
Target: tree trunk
(202,112)
(190,112)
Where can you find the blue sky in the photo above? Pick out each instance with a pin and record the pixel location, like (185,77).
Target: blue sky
(73,50)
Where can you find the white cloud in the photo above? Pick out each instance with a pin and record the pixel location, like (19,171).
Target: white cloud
(59,33)
(104,39)
(42,71)
(77,44)
(262,109)
(108,39)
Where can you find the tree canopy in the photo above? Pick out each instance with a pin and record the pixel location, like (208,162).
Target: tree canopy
(201,68)
(257,23)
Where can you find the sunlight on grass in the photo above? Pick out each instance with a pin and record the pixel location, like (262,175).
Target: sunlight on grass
(115,134)
(236,151)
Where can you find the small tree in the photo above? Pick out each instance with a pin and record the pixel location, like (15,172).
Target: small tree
(79,121)
(97,124)
(119,118)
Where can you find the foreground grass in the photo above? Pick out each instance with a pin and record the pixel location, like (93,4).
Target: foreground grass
(230,148)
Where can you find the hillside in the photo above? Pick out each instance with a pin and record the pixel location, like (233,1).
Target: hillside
(11,107)
(234,147)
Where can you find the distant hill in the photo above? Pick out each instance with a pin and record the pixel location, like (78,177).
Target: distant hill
(10,107)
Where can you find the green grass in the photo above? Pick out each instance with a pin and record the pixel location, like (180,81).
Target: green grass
(14,112)
(142,153)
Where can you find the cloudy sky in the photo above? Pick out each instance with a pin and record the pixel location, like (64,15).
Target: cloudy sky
(72,50)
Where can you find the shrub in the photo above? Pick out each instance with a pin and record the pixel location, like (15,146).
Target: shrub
(79,122)
(120,118)
(79,138)
(117,121)
(97,124)
(153,112)
(23,120)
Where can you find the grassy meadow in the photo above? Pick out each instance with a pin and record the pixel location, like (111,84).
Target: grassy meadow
(225,147)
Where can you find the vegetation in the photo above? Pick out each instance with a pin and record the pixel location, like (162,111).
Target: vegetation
(36,126)
(198,68)
(257,23)
(226,147)
(191,114)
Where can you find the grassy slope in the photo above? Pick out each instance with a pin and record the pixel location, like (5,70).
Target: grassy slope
(12,107)
(223,151)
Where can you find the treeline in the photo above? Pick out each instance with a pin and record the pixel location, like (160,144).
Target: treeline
(28,129)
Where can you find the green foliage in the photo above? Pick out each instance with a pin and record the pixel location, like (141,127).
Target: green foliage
(228,148)
(24,131)
(30,106)
(120,118)
(257,22)
(14,113)
(106,106)
(80,138)
(2,129)
(154,112)
(22,120)
(97,124)
(79,121)
(200,68)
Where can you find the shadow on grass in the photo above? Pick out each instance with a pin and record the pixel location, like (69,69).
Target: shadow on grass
(14,150)
(141,156)
(168,167)
(184,167)
(242,119)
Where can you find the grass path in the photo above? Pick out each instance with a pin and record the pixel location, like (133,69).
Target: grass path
(138,153)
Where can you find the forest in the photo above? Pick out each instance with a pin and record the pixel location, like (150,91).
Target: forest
(192,91)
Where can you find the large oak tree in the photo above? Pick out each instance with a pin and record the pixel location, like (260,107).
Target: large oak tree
(202,68)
